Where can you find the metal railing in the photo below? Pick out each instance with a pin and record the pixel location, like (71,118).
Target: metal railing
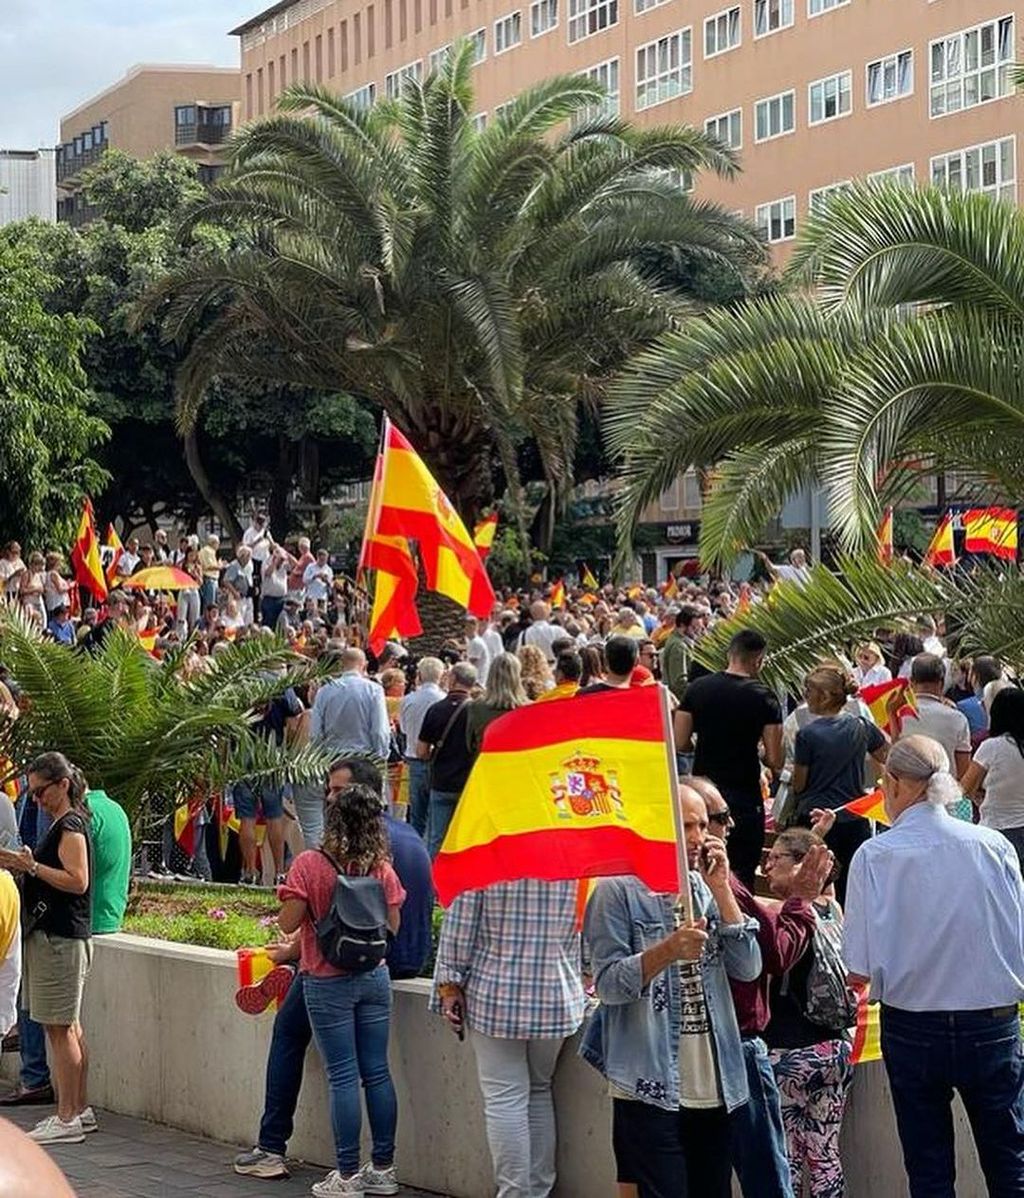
(202,133)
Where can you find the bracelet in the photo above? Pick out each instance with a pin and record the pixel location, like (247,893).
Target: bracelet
(34,871)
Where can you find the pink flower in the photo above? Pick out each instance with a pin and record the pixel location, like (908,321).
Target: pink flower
(217,913)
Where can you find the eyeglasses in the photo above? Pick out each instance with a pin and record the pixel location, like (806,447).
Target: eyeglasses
(772,857)
(39,791)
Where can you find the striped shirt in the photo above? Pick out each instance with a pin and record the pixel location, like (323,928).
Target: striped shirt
(514,948)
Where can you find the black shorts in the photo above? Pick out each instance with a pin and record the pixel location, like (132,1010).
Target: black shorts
(671,1154)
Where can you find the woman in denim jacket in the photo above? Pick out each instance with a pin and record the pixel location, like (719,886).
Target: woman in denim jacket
(665,1035)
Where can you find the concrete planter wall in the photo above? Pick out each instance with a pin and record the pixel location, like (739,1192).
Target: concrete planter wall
(168,1044)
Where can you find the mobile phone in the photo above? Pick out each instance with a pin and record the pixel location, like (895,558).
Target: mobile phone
(705,857)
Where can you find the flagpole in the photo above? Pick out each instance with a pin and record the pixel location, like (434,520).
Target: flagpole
(677,810)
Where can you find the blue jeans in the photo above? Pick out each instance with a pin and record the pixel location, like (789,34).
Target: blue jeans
(285,1061)
(34,1070)
(439,816)
(270,609)
(419,793)
(930,1054)
(756,1132)
(351,1018)
(208,593)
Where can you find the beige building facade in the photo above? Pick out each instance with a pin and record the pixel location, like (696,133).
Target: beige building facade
(190,109)
(810,93)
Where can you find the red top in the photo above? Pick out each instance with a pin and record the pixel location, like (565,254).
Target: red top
(311,879)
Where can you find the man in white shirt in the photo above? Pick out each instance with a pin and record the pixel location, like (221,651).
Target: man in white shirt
(318,577)
(492,634)
(257,537)
(413,708)
(936,718)
(476,649)
(542,633)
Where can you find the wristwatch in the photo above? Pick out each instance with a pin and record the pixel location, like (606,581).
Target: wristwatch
(35,868)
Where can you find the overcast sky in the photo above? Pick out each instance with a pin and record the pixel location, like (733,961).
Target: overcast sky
(56,53)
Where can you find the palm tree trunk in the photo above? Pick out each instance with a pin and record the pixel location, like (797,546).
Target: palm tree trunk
(443,620)
(215,500)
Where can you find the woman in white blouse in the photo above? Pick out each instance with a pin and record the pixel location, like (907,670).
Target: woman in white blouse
(995,778)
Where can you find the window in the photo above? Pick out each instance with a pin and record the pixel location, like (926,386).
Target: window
(543,17)
(818,197)
(903,175)
(363,97)
(587,17)
(668,501)
(728,128)
(640,6)
(722,32)
(776,221)
(774,116)
(478,41)
(830,98)
(772,15)
(890,78)
(479,122)
(508,32)
(990,168)
(816,7)
(607,74)
(664,69)
(501,109)
(437,58)
(396,81)
(972,67)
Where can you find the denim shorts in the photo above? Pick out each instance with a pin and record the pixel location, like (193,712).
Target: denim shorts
(248,797)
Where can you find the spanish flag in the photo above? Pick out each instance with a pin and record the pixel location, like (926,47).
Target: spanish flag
(890,703)
(940,551)
(412,505)
(885,538)
(869,806)
(588,579)
(991,530)
(394,612)
(671,587)
(117,550)
(483,535)
(147,639)
(582,793)
(85,555)
(557,597)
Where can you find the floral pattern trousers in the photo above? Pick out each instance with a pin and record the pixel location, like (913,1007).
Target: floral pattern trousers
(813,1083)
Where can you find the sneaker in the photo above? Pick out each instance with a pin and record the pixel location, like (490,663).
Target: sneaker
(260,1163)
(88,1118)
(379,1181)
(280,879)
(334,1185)
(254,1000)
(29,1096)
(55,1131)
(247,880)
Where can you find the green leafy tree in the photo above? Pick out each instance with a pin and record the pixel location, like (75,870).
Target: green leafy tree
(139,730)
(896,353)
(47,434)
(477,285)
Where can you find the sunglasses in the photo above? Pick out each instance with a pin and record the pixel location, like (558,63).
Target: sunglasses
(721,817)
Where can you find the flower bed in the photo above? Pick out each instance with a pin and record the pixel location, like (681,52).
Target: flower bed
(213,916)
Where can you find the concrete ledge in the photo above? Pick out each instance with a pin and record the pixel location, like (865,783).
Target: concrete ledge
(168,1044)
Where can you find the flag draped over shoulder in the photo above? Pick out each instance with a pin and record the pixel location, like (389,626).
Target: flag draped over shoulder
(991,530)
(85,554)
(577,788)
(483,534)
(940,550)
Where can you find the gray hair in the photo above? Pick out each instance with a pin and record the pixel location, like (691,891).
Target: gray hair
(430,669)
(924,760)
(463,674)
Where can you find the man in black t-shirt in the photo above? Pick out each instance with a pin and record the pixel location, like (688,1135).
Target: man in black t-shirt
(731,713)
(442,742)
(621,654)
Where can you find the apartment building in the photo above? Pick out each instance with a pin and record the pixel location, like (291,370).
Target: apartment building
(28,186)
(810,93)
(190,109)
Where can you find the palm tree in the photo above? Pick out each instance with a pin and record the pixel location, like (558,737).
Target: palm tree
(476,284)
(137,729)
(897,350)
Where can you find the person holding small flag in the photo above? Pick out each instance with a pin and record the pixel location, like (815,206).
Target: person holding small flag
(935,926)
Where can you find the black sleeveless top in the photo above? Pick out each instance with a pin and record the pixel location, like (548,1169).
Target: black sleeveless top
(56,911)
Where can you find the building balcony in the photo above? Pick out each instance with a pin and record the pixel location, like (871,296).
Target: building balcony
(70,165)
(201,134)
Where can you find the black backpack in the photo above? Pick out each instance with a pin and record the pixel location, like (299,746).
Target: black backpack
(353,933)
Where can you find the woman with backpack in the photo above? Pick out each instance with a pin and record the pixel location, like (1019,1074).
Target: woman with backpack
(343,899)
(807,1038)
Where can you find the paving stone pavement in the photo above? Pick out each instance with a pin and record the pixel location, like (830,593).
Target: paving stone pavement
(129,1158)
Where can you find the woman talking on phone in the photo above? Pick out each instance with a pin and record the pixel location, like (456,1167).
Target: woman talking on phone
(508,971)
(57,906)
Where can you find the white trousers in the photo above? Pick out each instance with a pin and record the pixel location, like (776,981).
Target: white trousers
(515,1078)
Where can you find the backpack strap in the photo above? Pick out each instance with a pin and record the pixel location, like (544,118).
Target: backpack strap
(447,728)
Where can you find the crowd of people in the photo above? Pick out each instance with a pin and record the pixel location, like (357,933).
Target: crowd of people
(725,1039)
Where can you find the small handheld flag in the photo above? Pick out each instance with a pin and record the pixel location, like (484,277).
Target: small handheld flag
(869,806)
(483,535)
(557,598)
(940,551)
(85,555)
(588,579)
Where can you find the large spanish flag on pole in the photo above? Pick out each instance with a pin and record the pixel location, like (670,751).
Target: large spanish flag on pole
(582,791)
(85,555)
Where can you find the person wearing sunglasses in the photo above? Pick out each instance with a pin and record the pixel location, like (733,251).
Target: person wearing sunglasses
(783,936)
